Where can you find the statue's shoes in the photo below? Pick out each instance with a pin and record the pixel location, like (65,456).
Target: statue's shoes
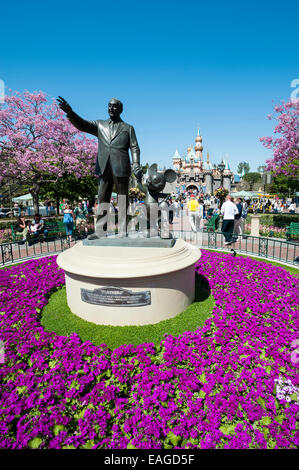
(93,236)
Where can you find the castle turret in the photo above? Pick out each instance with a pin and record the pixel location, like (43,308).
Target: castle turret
(198,146)
(176,160)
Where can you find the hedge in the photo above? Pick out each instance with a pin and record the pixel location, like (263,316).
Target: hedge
(276,220)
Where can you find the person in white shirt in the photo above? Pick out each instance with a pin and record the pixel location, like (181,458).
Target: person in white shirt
(228,210)
(177,208)
(292,208)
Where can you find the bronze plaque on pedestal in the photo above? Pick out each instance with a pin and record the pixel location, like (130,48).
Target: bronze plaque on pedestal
(116,296)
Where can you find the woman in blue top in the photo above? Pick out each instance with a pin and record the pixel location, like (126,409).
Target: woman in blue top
(68,221)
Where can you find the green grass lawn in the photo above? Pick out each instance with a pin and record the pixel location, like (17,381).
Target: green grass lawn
(57,316)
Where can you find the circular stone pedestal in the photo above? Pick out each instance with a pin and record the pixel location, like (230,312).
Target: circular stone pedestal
(129,285)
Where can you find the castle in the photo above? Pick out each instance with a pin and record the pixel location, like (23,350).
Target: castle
(194,173)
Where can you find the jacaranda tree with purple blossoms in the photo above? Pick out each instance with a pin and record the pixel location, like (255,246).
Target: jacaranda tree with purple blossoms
(285,147)
(37,143)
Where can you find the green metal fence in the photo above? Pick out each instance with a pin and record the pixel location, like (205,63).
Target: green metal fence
(271,248)
(278,250)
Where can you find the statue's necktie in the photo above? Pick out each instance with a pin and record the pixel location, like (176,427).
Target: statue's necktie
(111,129)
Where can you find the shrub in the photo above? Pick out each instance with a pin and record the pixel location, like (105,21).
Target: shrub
(276,220)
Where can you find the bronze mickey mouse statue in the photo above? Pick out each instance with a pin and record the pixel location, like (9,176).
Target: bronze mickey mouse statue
(153,188)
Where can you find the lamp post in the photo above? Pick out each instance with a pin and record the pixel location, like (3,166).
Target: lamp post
(261,170)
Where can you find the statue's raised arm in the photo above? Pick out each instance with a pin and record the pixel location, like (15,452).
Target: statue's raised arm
(63,104)
(80,123)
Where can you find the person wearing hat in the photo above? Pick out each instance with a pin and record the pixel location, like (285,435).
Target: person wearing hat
(193,208)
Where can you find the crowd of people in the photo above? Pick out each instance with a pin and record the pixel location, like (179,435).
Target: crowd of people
(197,206)
(76,215)
(275,205)
(34,227)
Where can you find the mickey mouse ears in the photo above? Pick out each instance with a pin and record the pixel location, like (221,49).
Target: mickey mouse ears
(169,175)
(152,169)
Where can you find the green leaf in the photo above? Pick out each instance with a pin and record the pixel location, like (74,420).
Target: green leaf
(52,364)
(202,378)
(167,446)
(279,418)
(75,385)
(21,390)
(35,443)
(130,446)
(58,428)
(173,438)
(227,429)
(194,441)
(266,420)
(88,445)
(294,396)
(69,447)
(271,444)
(202,394)
(261,402)
(262,356)
(268,369)
(277,405)
(80,414)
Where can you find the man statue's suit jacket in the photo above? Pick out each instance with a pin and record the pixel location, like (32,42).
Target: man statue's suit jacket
(116,146)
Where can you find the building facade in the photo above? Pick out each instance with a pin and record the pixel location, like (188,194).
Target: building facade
(195,173)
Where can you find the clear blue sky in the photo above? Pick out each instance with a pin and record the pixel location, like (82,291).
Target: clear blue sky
(176,65)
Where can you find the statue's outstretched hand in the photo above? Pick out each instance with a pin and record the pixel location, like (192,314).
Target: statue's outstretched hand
(64,105)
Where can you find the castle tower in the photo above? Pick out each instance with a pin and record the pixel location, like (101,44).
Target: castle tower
(176,160)
(198,147)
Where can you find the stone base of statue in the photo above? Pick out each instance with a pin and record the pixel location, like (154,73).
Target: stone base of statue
(114,281)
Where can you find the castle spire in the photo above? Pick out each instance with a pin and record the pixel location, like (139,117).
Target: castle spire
(198,146)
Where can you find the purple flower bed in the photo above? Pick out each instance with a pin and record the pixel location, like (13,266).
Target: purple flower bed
(230,384)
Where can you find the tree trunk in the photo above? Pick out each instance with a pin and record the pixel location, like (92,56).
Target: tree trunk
(35,195)
(57,203)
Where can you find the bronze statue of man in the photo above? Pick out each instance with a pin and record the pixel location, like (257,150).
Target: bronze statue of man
(115,138)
